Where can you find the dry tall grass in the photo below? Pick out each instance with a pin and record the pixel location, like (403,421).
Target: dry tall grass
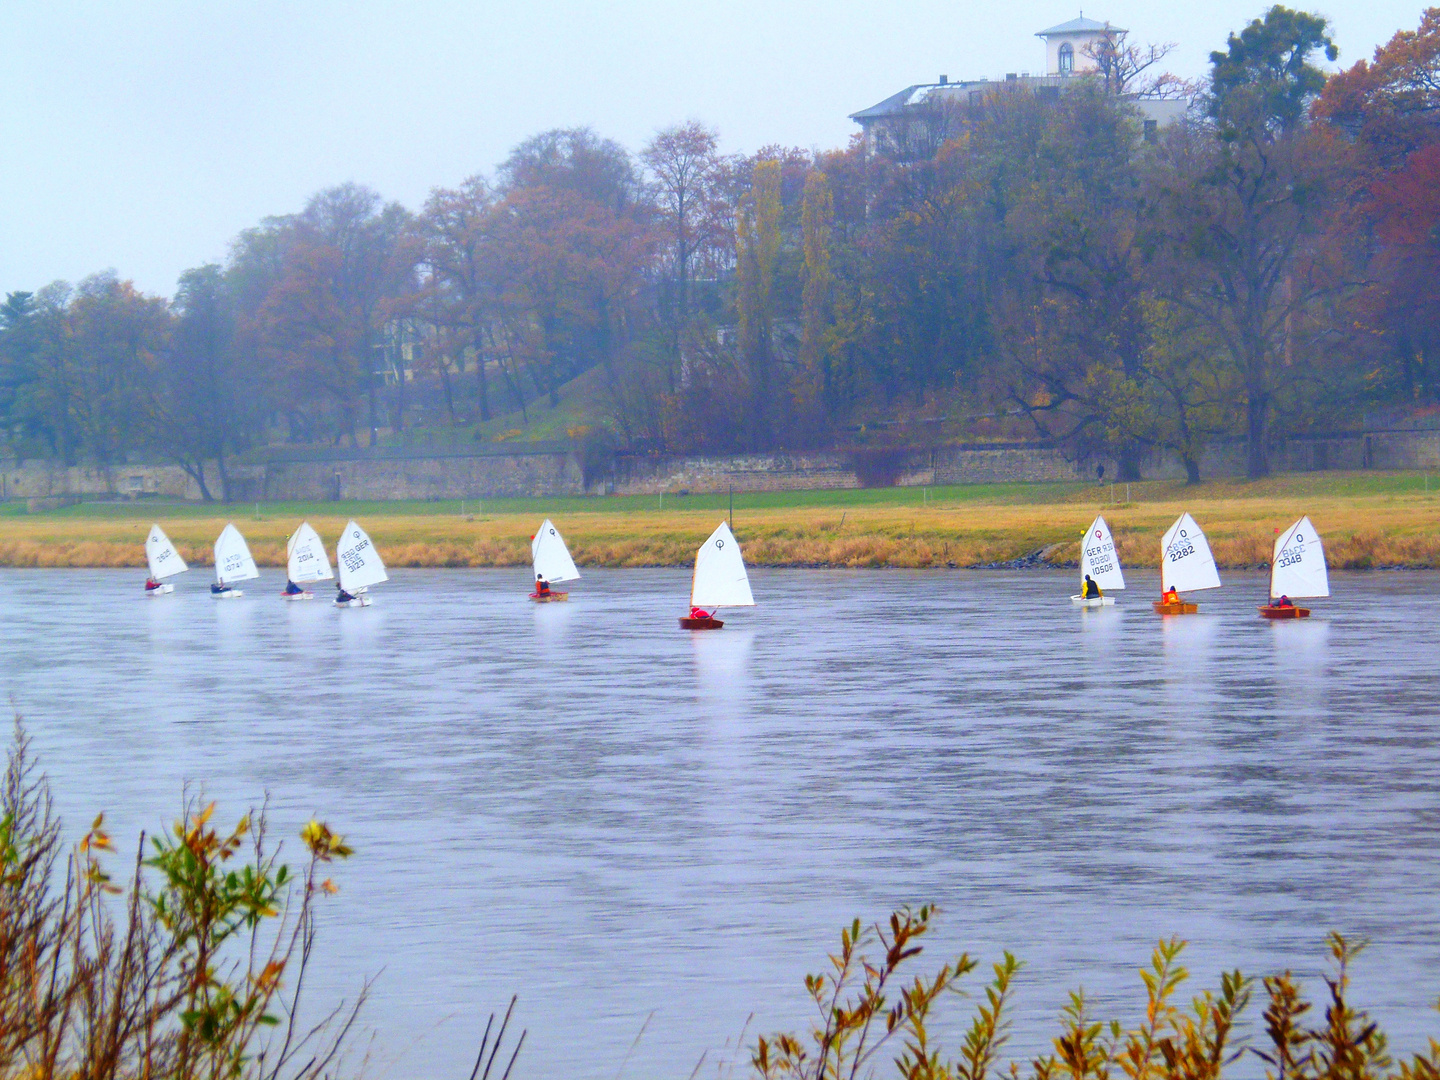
(1360,531)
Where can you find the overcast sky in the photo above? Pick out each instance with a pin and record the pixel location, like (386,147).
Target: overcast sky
(142,136)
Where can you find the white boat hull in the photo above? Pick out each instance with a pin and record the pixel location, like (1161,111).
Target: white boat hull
(297,596)
(228,594)
(1093,602)
(359,601)
(160,590)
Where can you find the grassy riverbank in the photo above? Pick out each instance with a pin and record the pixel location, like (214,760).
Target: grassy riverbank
(1367,520)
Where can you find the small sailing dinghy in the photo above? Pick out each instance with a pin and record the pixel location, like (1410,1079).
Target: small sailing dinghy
(1100,562)
(1185,564)
(719,581)
(551,560)
(1297,570)
(359,566)
(233,563)
(305,563)
(164,561)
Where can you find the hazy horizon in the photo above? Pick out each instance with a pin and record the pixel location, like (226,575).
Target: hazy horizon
(142,138)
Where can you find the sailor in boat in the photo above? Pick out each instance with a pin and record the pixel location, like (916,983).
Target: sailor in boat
(542,587)
(151,584)
(291,589)
(700,613)
(1091,590)
(1170,596)
(219,589)
(1284,601)
(341,596)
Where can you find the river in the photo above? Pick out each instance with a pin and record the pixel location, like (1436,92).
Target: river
(636,827)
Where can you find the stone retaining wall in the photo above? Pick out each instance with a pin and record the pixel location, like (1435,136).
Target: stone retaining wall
(489,476)
(51,480)
(554,472)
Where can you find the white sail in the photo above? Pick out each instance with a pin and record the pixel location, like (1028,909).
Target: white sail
(165,561)
(233,561)
(720,579)
(1298,566)
(305,556)
(1098,557)
(357,560)
(550,555)
(1185,560)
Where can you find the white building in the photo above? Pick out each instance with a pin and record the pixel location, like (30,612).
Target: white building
(913,122)
(1071,47)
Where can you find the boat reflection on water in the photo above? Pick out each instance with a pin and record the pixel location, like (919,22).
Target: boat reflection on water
(722,663)
(578,802)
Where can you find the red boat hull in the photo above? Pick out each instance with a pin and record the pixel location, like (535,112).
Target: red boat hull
(1268,612)
(687,623)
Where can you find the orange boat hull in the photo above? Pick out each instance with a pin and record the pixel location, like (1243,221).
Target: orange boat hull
(1268,612)
(550,597)
(687,623)
(1177,607)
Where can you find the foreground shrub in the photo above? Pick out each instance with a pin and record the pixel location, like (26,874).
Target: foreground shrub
(871,1012)
(193,970)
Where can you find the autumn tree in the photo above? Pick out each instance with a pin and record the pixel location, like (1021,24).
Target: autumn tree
(1391,104)
(1121,64)
(1243,210)
(682,162)
(1388,110)
(757,248)
(817,300)
(1180,397)
(203,404)
(115,335)
(460,294)
(19,331)
(1081,240)
(577,160)
(343,257)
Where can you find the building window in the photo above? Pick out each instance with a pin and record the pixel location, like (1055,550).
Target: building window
(1066,58)
(1152,131)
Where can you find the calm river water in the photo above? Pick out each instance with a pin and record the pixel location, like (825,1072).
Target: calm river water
(621,821)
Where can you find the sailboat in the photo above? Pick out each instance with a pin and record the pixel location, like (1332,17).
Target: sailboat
(719,581)
(359,565)
(1185,563)
(164,562)
(305,562)
(233,563)
(1297,570)
(1100,562)
(551,561)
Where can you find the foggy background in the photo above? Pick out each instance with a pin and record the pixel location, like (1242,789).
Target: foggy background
(144,136)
